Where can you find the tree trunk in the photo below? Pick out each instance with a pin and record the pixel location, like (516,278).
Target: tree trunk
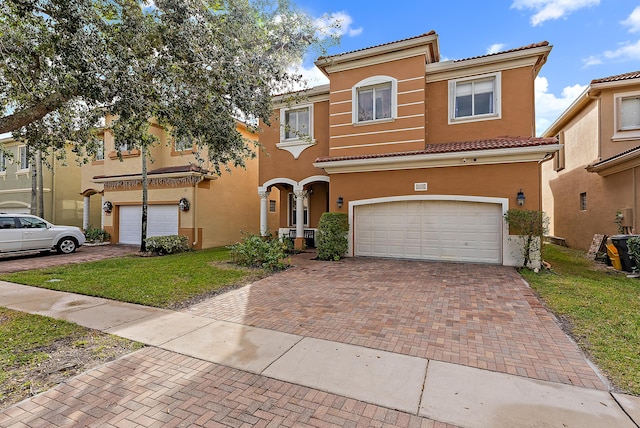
(145,186)
(41,186)
(34,188)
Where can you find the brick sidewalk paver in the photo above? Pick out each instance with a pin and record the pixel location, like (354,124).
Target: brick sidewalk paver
(481,316)
(36,260)
(158,388)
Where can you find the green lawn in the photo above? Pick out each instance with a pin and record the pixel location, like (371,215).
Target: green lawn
(166,281)
(602,307)
(28,343)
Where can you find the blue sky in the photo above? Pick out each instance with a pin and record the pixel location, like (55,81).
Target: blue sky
(591,38)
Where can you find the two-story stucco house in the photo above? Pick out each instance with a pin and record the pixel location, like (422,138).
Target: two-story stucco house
(595,175)
(425,156)
(184,196)
(63,203)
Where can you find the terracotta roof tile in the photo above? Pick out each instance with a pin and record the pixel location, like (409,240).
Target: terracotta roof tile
(430,33)
(618,77)
(531,46)
(463,146)
(626,152)
(165,170)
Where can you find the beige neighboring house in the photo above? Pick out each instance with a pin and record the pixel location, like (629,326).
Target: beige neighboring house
(184,196)
(424,156)
(63,203)
(596,174)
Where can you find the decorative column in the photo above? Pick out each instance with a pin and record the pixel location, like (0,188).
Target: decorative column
(264,196)
(85,212)
(299,195)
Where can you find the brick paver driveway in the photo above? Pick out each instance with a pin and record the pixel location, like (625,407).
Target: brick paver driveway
(36,260)
(477,315)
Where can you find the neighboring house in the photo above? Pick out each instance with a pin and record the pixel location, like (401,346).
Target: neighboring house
(63,203)
(425,156)
(184,196)
(595,175)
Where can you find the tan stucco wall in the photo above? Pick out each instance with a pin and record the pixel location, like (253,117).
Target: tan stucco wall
(518,116)
(502,181)
(279,163)
(610,147)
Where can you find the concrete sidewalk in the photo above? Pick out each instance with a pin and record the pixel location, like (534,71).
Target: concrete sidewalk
(456,394)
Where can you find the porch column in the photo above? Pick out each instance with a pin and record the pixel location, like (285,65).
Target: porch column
(85,212)
(264,195)
(101,212)
(300,195)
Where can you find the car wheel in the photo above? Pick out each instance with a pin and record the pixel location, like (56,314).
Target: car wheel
(67,245)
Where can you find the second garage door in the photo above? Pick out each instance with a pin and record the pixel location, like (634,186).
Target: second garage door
(162,220)
(430,230)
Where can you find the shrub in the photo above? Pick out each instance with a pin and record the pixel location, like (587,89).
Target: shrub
(530,226)
(332,241)
(633,248)
(257,251)
(96,235)
(167,244)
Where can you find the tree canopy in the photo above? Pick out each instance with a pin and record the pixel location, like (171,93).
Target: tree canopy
(191,65)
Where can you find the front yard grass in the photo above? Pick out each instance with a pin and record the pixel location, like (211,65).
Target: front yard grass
(601,308)
(169,281)
(38,352)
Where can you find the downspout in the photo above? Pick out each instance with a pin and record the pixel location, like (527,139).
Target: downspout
(196,209)
(635,198)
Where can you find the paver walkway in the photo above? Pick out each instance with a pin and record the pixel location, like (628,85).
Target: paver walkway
(480,316)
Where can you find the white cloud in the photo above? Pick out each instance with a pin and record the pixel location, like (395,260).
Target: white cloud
(633,21)
(627,51)
(548,106)
(496,47)
(552,9)
(336,24)
(311,77)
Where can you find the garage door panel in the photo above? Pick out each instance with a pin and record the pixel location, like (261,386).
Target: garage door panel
(162,220)
(434,230)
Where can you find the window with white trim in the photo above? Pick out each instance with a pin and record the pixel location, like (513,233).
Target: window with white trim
(182,144)
(375,99)
(23,154)
(558,159)
(100,150)
(475,98)
(3,163)
(296,129)
(125,146)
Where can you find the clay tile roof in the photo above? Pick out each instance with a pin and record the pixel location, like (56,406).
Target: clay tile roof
(463,146)
(625,76)
(626,152)
(531,46)
(165,170)
(430,33)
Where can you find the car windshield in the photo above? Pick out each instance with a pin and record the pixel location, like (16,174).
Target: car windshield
(32,223)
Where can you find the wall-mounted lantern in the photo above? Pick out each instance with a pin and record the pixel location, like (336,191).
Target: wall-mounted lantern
(107,207)
(520,198)
(340,201)
(184,204)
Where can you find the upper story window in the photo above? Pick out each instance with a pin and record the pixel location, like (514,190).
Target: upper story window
(182,144)
(558,159)
(100,150)
(23,154)
(125,146)
(627,116)
(375,99)
(476,98)
(296,130)
(3,163)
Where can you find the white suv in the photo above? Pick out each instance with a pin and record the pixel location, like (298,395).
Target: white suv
(24,232)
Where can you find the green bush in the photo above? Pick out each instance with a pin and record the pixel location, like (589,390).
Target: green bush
(167,244)
(332,243)
(256,251)
(96,235)
(633,248)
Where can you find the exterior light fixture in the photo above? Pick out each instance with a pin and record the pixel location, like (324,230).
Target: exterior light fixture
(520,198)
(340,201)
(107,207)
(184,204)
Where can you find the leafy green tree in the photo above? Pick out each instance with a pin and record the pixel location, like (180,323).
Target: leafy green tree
(193,66)
(529,226)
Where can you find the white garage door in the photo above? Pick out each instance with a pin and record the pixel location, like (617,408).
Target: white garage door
(162,220)
(430,230)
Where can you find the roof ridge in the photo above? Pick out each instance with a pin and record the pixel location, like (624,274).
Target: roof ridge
(617,77)
(430,33)
(521,48)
